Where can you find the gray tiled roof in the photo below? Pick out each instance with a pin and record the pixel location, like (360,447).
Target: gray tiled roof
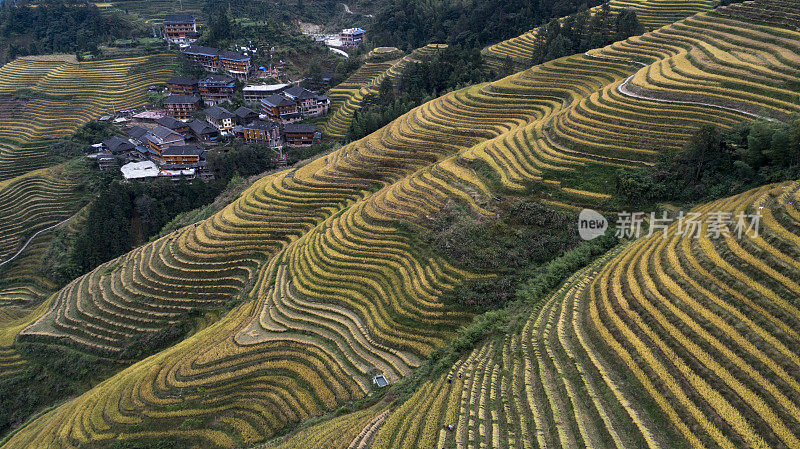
(184,150)
(182,81)
(202,127)
(277,100)
(182,99)
(299,128)
(218,113)
(170,122)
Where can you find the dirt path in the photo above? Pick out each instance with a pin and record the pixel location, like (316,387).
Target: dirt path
(624,90)
(33,237)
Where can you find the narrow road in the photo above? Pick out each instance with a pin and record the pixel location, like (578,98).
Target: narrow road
(33,237)
(623,89)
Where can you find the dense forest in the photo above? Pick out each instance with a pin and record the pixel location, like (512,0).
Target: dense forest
(583,31)
(409,24)
(56,27)
(717,163)
(524,236)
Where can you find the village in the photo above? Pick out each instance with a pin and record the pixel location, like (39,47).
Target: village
(173,141)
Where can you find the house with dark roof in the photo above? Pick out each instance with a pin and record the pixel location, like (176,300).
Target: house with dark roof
(137,134)
(215,89)
(280,109)
(205,57)
(174,124)
(204,131)
(181,85)
(245,115)
(309,104)
(215,60)
(261,131)
(182,106)
(118,145)
(221,118)
(162,138)
(303,98)
(180,29)
(235,64)
(300,134)
(184,156)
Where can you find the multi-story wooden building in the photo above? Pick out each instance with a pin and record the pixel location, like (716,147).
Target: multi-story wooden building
(180,29)
(235,64)
(280,109)
(260,131)
(205,57)
(221,118)
(204,131)
(183,156)
(180,85)
(214,60)
(161,138)
(309,104)
(245,115)
(182,106)
(215,89)
(299,134)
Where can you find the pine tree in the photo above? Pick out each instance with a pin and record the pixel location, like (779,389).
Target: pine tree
(627,24)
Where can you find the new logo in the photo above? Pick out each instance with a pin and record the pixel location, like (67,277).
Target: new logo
(591,224)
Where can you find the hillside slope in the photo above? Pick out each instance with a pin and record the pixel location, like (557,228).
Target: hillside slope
(670,341)
(43,99)
(30,204)
(349,95)
(652,14)
(331,289)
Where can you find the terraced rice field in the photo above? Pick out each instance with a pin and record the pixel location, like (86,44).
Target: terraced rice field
(665,342)
(45,99)
(34,202)
(151,11)
(652,14)
(350,94)
(332,292)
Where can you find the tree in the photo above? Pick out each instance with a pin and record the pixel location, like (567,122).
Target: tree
(781,151)
(386,92)
(758,143)
(558,48)
(627,24)
(508,66)
(219,28)
(703,150)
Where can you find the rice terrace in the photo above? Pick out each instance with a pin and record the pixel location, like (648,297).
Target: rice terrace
(216,232)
